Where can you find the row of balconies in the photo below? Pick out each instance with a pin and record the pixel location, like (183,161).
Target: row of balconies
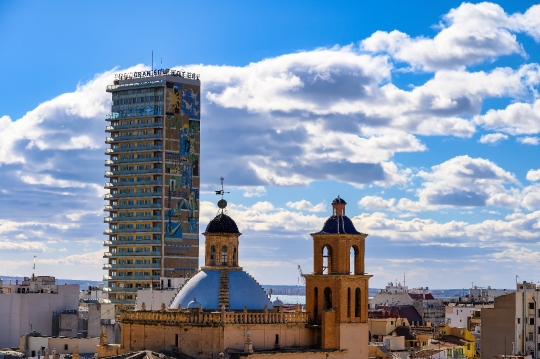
(125,278)
(132,172)
(132,184)
(131,230)
(131,206)
(153,159)
(131,266)
(130,219)
(110,196)
(132,243)
(131,254)
(130,126)
(150,136)
(110,151)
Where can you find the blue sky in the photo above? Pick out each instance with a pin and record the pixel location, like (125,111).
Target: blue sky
(425,118)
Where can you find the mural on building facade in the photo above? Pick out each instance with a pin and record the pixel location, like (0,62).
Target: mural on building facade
(182,162)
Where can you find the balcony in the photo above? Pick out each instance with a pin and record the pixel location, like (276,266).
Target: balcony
(132,126)
(132,266)
(150,136)
(131,254)
(132,230)
(110,196)
(121,290)
(132,184)
(132,278)
(110,151)
(155,242)
(134,160)
(130,219)
(132,172)
(132,206)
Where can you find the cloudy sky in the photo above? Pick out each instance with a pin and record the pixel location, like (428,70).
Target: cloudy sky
(425,119)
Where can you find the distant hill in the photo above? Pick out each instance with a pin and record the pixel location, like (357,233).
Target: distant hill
(83,284)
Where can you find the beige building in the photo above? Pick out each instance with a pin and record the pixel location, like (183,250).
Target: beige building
(222,310)
(511,327)
(35,345)
(37,304)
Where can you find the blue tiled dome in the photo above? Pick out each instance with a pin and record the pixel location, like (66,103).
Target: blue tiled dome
(338,225)
(222,224)
(243,291)
(339,200)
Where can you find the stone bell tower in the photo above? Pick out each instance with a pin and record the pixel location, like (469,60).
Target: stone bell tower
(337,291)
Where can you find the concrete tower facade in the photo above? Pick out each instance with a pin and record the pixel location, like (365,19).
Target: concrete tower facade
(153,180)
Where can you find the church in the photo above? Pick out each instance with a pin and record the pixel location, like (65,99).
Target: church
(222,312)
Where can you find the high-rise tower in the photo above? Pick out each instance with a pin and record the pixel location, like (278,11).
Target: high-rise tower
(153,199)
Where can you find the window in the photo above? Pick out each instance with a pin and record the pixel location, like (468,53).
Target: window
(357,302)
(518,320)
(327,298)
(349,303)
(65,347)
(531,321)
(531,305)
(327,259)
(224,255)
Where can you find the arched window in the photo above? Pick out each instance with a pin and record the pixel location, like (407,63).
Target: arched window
(327,298)
(357,302)
(348,302)
(353,260)
(224,255)
(234,256)
(213,255)
(327,259)
(316,309)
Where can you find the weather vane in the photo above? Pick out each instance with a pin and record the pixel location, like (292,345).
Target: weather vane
(222,203)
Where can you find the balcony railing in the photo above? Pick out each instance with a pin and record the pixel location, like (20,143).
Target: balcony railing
(130,219)
(132,230)
(132,206)
(134,160)
(110,151)
(132,172)
(132,243)
(131,254)
(134,126)
(120,290)
(132,278)
(132,266)
(154,136)
(110,196)
(132,184)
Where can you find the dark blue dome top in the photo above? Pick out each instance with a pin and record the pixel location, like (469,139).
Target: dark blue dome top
(339,200)
(222,224)
(338,225)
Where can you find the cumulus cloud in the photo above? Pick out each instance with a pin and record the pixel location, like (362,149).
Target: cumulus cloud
(529,140)
(375,203)
(6,245)
(533,175)
(493,138)
(469,34)
(516,119)
(304,205)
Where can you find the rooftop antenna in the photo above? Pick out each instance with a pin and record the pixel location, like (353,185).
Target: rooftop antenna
(161,61)
(222,203)
(404,279)
(152,60)
(34,268)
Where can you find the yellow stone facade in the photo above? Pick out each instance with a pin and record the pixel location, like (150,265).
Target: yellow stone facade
(333,325)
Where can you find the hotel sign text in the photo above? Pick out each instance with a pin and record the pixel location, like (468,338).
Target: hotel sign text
(151,73)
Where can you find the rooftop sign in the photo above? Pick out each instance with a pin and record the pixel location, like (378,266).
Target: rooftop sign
(160,72)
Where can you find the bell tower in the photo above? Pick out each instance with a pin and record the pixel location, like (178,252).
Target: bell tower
(337,291)
(221,244)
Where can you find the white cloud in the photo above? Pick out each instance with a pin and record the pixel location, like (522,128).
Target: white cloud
(529,140)
(470,34)
(375,203)
(304,205)
(22,246)
(255,191)
(493,138)
(533,175)
(516,119)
